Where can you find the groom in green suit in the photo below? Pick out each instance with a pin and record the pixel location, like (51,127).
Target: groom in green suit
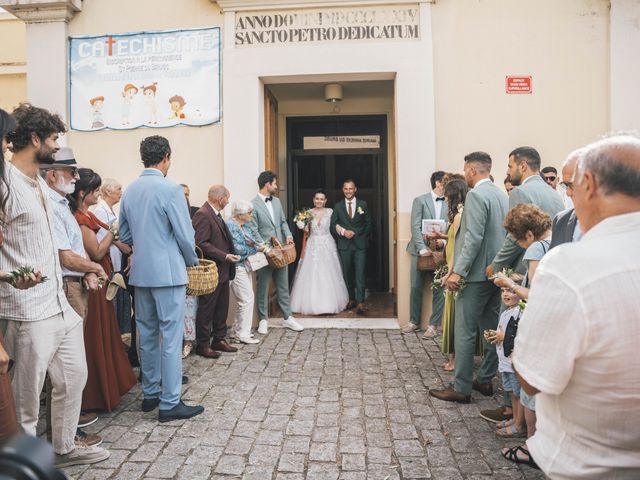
(269,221)
(477,306)
(351,223)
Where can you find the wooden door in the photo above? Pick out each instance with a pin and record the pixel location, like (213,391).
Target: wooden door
(270,131)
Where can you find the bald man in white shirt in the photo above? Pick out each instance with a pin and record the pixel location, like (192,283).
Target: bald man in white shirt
(578,340)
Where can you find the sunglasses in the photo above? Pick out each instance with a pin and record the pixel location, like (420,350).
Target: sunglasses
(567,184)
(72,170)
(550,178)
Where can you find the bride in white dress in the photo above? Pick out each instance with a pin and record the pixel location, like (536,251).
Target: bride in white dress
(318,287)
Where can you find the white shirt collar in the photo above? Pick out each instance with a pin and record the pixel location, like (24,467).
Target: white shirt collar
(435,196)
(484,180)
(353,200)
(215,210)
(626,222)
(527,179)
(56,197)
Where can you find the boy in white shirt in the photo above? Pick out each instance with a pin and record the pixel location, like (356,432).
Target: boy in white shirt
(515,427)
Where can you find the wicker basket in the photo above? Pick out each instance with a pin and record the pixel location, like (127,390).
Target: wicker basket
(203,279)
(280,255)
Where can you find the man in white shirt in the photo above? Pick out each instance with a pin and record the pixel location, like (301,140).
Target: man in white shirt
(578,340)
(79,274)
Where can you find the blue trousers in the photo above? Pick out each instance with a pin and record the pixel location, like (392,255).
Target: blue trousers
(160,322)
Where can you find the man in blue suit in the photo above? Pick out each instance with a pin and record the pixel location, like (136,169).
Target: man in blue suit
(154,219)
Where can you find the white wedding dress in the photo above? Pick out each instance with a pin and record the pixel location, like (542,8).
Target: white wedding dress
(318,287)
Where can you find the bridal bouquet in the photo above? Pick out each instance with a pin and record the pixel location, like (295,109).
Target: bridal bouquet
(303,218)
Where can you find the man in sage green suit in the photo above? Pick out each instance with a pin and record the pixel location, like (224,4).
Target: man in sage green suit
(431,205)
(477,306)
(351,223)
(269,221)
(524,171)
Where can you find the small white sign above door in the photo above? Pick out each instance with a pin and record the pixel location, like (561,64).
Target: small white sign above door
(339,142)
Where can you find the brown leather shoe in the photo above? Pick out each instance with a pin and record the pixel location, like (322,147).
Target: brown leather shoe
(222,346)
(485,389)
(207,352)
(87,418)
(498,415)
(450,395)
(351,304)
(361,309)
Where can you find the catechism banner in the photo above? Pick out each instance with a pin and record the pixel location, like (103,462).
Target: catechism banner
(146,79)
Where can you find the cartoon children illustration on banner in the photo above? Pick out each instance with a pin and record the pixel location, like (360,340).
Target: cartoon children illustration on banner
(145,79)
(97,121)
(149,92)
(128,93)
(177,105)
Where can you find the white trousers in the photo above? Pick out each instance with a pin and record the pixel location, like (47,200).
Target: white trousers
(54,345)
(242,289)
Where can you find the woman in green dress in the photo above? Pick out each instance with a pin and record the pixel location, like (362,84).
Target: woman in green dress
(455,192)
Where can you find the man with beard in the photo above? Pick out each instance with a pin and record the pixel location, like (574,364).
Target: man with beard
(529,187)
(79,273)
(43,333)
(524,171)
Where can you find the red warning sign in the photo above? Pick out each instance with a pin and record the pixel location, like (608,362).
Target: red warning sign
(518,84)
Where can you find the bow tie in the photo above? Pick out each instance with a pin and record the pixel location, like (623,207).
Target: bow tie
(268,199)
(440,199)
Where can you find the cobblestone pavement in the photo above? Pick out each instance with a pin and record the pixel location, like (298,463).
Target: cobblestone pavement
(323,404)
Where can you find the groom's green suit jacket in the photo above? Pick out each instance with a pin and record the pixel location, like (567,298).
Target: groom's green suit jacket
(360,224)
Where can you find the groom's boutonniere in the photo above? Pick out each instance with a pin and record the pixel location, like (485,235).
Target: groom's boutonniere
(360,210)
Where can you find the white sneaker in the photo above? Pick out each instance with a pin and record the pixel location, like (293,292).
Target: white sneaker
(82,455)
(409,327)
(248,340)
(291,324)
(263,327)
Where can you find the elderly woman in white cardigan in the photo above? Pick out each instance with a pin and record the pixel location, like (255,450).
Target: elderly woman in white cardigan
(242,285)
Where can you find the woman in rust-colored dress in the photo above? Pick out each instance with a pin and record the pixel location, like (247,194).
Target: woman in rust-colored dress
(109,374)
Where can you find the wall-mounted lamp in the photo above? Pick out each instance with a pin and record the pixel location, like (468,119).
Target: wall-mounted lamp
(333,95)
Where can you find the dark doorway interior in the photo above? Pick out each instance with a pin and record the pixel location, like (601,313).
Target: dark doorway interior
(309,170)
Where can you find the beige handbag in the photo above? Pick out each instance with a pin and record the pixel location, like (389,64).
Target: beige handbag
(256,261)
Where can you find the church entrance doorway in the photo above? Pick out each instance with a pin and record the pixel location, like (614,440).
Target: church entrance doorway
(324,151)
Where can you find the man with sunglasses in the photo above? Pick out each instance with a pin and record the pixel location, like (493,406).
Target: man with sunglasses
(550,175)
(79,273)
